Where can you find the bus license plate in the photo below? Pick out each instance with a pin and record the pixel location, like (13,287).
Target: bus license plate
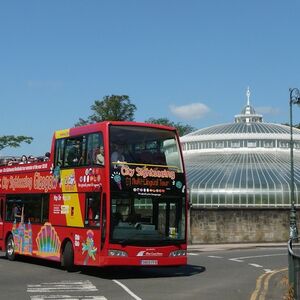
(149,262)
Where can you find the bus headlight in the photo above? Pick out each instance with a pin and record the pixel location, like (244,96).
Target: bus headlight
(178,253)
(117,253)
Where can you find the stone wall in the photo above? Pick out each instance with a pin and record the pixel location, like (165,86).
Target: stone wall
(224,225)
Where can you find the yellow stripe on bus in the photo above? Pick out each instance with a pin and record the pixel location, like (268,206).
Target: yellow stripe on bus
(71,198)
(62,133)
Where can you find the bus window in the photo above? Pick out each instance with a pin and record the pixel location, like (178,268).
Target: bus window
(1,209)
(45,208)
(92,209)
(33,208)
(147,146)
(80,151)
(2,199)
(95,149)
(59,150)
(75,151)
(140,219)
(13,209)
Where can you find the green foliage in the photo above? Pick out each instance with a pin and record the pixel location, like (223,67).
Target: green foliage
(120,108)
(13,141)
(110,108)
(181,128)
(294,125)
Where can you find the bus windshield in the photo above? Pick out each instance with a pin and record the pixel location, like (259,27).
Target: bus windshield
(144,221)
(147,186)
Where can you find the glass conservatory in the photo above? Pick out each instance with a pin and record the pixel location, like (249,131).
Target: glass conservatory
(243,164)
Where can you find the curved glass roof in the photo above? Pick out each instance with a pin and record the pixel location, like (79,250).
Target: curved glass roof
(243,164)
(245,128)
(242,179)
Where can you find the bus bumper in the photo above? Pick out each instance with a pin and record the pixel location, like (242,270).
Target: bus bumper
(143,261)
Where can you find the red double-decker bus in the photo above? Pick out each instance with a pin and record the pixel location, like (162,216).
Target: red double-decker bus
(111,193)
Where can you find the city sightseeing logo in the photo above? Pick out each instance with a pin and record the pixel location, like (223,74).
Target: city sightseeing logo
(116,176)
(147,172)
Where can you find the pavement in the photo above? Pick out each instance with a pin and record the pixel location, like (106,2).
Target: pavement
(273,285)
(277,282)
(235,246)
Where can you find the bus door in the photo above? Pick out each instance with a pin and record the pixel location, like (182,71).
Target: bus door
(2,198)
(96,214)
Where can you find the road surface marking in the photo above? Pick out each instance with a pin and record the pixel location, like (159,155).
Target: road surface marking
(63,286)
(193,254)
(127,290)
(262,284)
(254,295)
(215,256)
(240,259)
(255,265)
(268,270)
(236,259)
(66,297)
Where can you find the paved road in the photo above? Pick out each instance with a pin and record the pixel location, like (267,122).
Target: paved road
(226,274)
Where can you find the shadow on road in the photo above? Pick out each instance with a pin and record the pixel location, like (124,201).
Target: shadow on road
(119,272)
(34,261)
(145,272)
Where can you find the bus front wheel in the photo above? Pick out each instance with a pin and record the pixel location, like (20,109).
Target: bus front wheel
(68,257)
(10,248)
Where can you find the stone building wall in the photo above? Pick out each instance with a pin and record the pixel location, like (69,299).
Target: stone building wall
(224,225)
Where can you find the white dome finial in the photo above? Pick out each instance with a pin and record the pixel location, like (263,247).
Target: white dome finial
(248,96)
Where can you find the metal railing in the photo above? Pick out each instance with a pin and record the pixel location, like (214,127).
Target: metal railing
(294,266)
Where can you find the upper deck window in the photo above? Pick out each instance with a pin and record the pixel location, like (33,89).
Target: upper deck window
(143,145)
(75,151)
(83,150)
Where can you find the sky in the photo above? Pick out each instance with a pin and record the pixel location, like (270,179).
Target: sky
(190,61)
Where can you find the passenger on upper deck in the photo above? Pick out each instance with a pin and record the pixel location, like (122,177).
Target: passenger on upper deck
(12,162)
(118,154)
(47,156)
(31,159)
(24,160)
(74,155)
(100,156)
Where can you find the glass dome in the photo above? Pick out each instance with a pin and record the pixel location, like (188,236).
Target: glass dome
(243,164)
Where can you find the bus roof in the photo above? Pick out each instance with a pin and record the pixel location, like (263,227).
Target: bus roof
(96,126)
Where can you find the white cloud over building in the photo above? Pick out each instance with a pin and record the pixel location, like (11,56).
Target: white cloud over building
(190,111)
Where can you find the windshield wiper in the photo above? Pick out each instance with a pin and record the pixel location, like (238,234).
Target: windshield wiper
(124,242)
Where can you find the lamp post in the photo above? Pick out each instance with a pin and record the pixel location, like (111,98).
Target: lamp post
(294,99)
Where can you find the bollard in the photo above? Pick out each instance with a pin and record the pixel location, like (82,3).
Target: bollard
(294,269)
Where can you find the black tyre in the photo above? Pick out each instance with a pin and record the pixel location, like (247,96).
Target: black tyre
(68,257)
(10,248)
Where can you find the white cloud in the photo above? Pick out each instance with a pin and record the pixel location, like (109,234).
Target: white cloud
(190,111)
(267,110)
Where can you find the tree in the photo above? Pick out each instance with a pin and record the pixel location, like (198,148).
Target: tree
(181,128)
(110,108)
(294,125)
(13,141)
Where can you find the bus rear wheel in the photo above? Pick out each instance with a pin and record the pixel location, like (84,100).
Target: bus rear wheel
(68,257)
(10,248)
